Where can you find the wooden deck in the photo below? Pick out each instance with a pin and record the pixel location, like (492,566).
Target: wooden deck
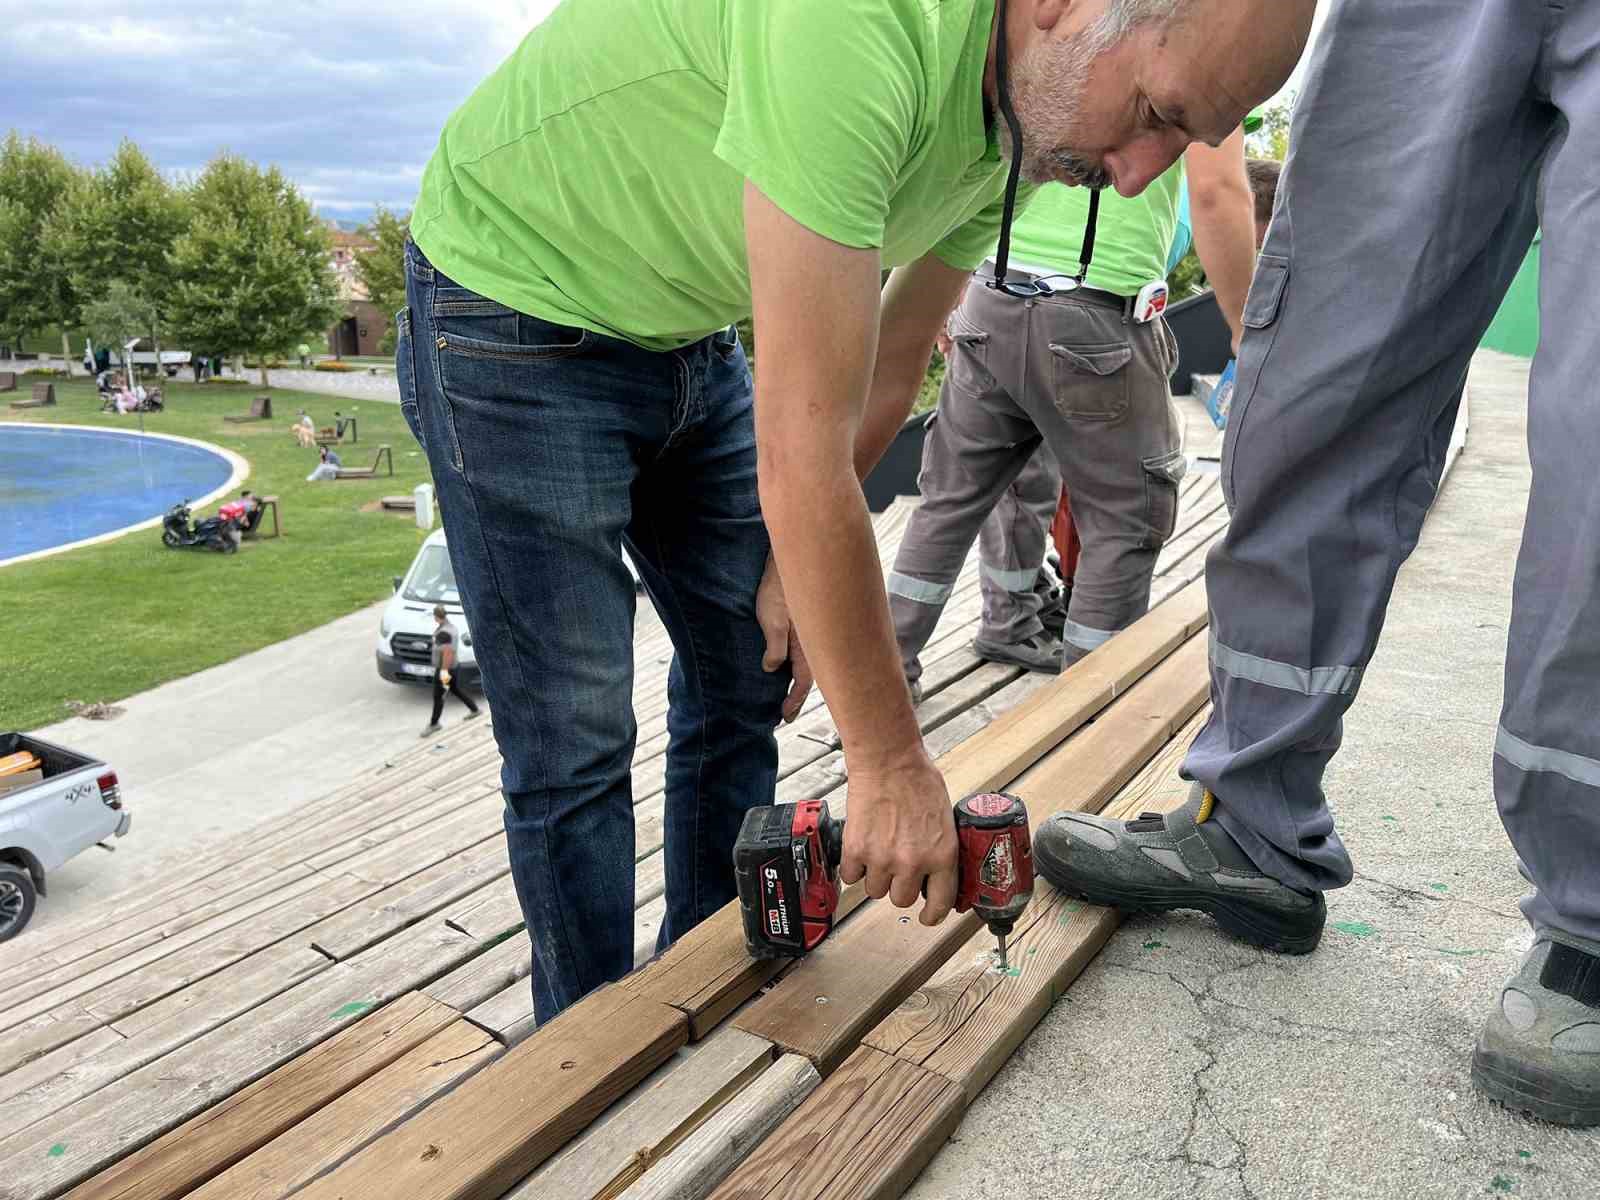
(367,951)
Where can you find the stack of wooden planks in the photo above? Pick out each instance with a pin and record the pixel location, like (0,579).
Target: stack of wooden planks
(337,1005)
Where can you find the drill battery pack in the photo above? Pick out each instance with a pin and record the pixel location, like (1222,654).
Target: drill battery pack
(786,864)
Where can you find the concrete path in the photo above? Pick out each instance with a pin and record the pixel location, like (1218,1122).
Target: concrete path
(1185,1065)
(356,385)
(212,754)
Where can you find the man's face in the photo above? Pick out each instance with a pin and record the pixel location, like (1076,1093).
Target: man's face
(1119,114)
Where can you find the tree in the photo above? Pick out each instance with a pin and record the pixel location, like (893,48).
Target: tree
(119,314)
(382,268)
(36,287)
(252,269)
(122,226)
(1272,139)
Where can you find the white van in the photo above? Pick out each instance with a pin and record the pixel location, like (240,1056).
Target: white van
(405,634)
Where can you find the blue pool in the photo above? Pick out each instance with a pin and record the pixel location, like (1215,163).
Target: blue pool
(63,485)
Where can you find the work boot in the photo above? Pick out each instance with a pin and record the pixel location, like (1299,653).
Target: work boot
(1539,1051)
(1041,652)
(1182,859)
(431,730)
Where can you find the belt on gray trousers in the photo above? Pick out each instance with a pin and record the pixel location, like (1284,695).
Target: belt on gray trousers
(1103,299)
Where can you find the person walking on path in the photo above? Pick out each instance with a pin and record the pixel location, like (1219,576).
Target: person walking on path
(445,638)
(1069,384)
(1403,215)
(637,177)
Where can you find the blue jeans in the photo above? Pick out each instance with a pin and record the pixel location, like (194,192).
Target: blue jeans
(552,448)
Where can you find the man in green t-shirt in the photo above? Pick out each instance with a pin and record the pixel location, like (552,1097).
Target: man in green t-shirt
(635,178)
(1070,386)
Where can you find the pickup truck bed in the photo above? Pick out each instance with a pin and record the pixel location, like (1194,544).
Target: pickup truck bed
(46,821)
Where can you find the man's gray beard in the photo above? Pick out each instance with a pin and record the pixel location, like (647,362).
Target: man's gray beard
(1059,93)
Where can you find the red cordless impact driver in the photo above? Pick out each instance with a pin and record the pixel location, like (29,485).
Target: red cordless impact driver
(786,862)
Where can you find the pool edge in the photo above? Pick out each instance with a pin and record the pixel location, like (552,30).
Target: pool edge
(239,465)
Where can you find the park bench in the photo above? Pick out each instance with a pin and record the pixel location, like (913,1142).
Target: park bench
(44,396)
(383,456)
(260,410)
(259,517)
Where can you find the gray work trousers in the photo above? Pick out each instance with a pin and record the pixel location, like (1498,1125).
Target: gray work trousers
(1011,550)
(1431,138)
(1074,375)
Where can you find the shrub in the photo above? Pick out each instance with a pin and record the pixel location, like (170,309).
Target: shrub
(328,364)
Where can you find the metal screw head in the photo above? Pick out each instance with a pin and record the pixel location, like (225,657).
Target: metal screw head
(905,920)
(822,999)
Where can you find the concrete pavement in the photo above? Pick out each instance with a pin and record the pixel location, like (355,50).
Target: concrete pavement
(1185,1065)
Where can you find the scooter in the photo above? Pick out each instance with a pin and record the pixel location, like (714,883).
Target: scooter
(214,533)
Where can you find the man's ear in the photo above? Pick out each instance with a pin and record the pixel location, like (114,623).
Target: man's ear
(1048,13)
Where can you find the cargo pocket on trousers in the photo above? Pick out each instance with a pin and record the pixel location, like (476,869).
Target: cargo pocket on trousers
(1091,382)
(1261,309)
(1162,475)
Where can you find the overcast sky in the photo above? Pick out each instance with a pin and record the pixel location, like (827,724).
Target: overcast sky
(347,98)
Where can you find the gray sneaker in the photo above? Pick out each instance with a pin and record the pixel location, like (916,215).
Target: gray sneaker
(431,730)
(1041,652)
(1539,1051)
(1163,861)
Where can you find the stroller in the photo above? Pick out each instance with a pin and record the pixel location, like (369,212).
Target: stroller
(113,400)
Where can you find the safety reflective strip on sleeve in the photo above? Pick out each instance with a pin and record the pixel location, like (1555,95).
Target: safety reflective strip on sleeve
(1085,638)
(1527,757)
(1012,581)
(1312,681)
(920,590)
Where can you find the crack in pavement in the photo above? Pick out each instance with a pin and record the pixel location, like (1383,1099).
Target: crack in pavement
(1434,897)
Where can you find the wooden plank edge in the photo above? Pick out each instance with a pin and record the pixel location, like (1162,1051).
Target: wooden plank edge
(478,1140)
(705,1157)
(209,1143)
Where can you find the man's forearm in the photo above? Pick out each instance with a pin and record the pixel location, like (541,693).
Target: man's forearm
(915,303)
(1222,212)
(1225,241)
(831,577)
(896,379)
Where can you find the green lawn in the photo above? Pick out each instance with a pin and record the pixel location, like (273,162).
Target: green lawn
(110,620)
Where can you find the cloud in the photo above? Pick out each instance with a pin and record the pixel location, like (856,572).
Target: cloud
(348,99)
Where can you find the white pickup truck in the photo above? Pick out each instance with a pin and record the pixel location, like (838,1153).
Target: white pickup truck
(55,809)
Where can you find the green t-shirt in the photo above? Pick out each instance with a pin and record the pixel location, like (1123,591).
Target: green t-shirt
(1131,236)
(596,178)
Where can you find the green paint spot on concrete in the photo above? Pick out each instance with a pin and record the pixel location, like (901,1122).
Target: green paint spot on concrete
(1152,945)
(1440,887)
(1014,972)
(1501,1183)
(57,1150)
(1032,950)
(1387,817)
(1524,1153)
(1356,929)
(354,1007)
